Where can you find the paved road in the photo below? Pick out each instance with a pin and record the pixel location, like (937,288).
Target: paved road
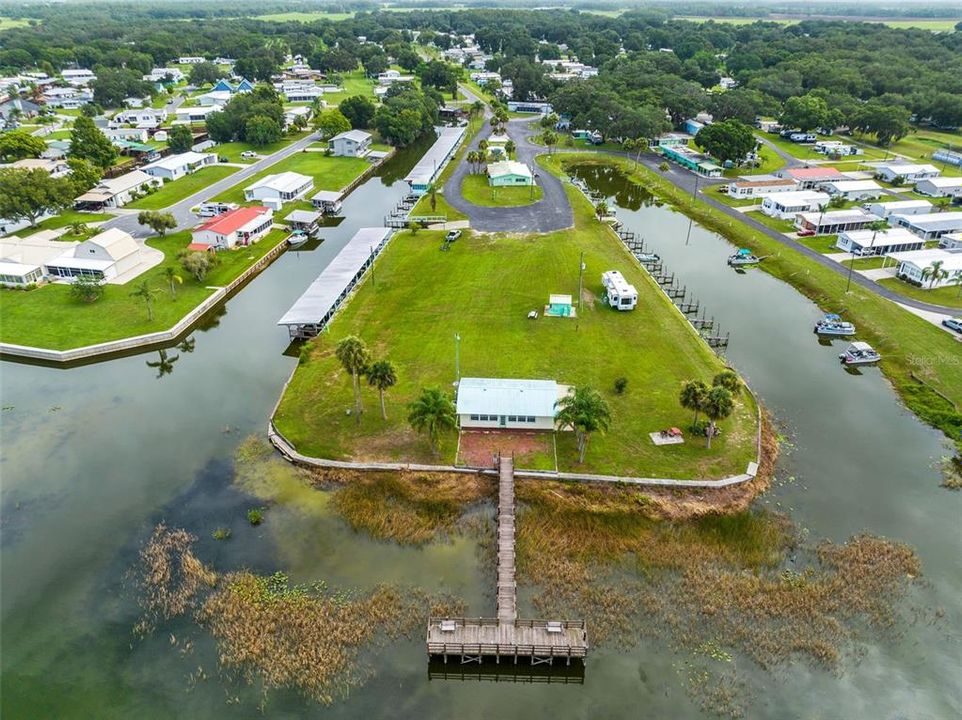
(552,212)
(181,210)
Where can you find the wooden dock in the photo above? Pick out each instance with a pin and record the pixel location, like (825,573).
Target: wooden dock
(473,640)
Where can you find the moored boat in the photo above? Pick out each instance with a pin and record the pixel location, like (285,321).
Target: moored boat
(743,258)
(859,353)
(832,324)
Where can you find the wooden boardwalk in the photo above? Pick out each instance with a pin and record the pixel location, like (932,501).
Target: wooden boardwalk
(536,641)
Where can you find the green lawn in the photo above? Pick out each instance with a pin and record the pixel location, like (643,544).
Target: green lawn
(782,226)
(232,151)
(50,317)
(305,17)
(329,173)
(67,217)
(948,296)
(917,356)
(353,83)
(175,191)
(476,189)
(924,24)
(920,144)
(824,244)
(483,289)
(8,23)
(715,193)
(770,162)
(797,150)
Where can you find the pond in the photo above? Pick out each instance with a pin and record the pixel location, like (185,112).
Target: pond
(94,457)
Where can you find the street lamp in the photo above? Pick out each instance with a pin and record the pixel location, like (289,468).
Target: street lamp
(457,357)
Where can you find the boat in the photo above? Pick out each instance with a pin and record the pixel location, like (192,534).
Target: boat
(832,324)
(859,353)
(647,257)
(743,258)
(298,238)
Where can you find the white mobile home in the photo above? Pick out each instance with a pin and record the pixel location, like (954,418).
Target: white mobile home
(786,205)
(749,187)
(177,166)
(279,188)
(116,192)
(899,207)
(868,242)
(940,187)
(906,172)
(491,403)
(353,143)
(834,222)
(853,189)
(621,294)
(930,226)
(951,241)
(918,267)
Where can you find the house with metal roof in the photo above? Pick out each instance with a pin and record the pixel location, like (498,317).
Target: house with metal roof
(868,242)
(852,189)
(809,177)
(177,166)
(353,143)
(834,221)
(786,205)
(508,173)
(906,172)
(427,169)
(105,256)
(506,403)
(242,226)
(940,187)
(919,267)
(276,189)
(899,207)
(749,187)
(930,226)
(116,192)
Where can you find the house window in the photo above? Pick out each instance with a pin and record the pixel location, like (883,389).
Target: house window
(513,418)
(530,418)
(475,417)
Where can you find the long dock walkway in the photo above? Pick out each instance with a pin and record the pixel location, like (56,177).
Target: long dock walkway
(474,639)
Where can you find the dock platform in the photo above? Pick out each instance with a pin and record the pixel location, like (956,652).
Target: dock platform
(475,640)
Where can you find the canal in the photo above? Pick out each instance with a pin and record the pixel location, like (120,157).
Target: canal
(93,457)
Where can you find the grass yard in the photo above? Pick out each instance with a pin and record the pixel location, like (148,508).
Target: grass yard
(715,193)
(949,296)
(920,144)
(483,289)
(232,150)
(50,317)
(305,17)
(796,150)
(175,191)
(353,83)
(770,162)
(476,190)
(918,358)
(933,25)
(782,226)
(824,244)
(329,173)
(67,217)
(7,23)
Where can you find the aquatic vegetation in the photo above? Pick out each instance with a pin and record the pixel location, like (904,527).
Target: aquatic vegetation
(255,516)
(305,637)
(221,533)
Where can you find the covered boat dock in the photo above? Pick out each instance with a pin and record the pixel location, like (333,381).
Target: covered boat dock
(315,308)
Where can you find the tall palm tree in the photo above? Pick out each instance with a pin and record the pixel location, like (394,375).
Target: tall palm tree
(173,279)
(934,272)
(718,406)
(585,411)
(728,380)
(692,397)
(510,147)
(482,151)
(146,293)
(550,139)
(383,376)
(433,413)
(354,357)
(957,280)
(477,107)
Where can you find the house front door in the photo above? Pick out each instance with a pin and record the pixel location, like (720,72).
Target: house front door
(501,421)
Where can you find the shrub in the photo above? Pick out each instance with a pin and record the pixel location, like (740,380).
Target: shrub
(621,384)
(255,516)
(664,166)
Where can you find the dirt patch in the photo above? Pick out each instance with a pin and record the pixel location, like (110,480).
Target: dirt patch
(480,447)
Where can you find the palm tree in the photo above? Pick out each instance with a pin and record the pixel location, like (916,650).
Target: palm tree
(78,228)
(383,376)
(934,272)
(692,397)
(433,412)
(165,365)
(585,411)
(510,147)
(477,107)
(173,279)
(718,406)
(728,380)
(956,279)
(601,209)
(354,356)
(482,151)
(473,161)
(147,293)
(550,139)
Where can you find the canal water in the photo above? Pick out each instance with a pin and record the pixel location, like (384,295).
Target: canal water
(94,457)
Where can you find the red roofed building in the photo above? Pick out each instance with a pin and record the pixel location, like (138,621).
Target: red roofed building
(242,226)
(807,178)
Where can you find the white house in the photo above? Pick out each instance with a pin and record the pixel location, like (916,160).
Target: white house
(279,188)
(836,147)
(196,60)
(103,257)
(54,168)
(951,241)
(749,187)
(353,143)
(883,242)
(834,222)
(930,226)
(127,134)
(67,98)
(899,207)
(786,205)
(291,114)
(940,187)
(242,226)
(853,189)
(215,98)
(143,117)
(194,114)
(177,166)
(116,192)
(917,267)
(79,76)
(906,172)
(507,403)
(158,75)
(621,294)
(508,173)
(14,274)
(389,77)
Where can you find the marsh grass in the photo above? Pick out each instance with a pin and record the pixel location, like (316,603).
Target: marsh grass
(273,634)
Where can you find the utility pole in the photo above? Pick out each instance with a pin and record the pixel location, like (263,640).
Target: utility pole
(457,357)
(581,279)
(373,279)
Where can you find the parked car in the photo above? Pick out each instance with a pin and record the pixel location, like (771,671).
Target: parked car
(805,233)
(248,154)
(953,324)
(452,235)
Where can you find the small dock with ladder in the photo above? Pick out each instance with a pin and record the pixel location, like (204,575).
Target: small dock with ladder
(475,640)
